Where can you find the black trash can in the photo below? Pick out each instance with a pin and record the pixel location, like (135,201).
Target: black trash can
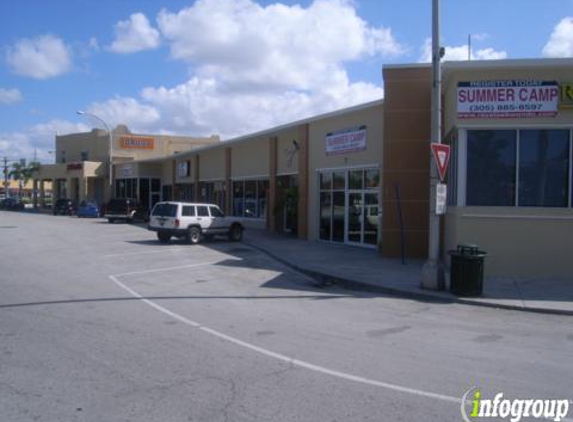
(466,275)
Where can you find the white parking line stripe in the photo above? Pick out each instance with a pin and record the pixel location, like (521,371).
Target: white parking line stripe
(143,253)
(179,267)
(284,358)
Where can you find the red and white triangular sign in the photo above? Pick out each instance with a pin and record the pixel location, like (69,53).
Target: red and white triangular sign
(441,153)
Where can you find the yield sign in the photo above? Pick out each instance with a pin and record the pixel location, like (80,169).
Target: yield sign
(441,155)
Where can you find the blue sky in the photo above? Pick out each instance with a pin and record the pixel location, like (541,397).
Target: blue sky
(231,67)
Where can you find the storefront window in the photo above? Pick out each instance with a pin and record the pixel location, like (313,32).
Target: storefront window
(238,198)
(326,181)
(371,179)
(325,214)
(262,189)
(338,211)
(491,167)
(250,198)
(338,180)
(166,193)
(355,179)
(543,168)
(126,188)
(538,159)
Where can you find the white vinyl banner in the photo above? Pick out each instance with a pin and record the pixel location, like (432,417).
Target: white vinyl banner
(507,99)
(346,141)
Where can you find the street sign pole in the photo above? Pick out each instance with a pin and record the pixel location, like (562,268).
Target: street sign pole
(432,276)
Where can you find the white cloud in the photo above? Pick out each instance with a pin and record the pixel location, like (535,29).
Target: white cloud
(39,138)
(10,96)
(460,53)
(203,106)
(277,46)
(560,43)
(122,110)
(253,67)
(45,56)
(135,34)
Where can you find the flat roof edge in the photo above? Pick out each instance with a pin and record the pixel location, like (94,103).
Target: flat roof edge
(501,63)
(264,132)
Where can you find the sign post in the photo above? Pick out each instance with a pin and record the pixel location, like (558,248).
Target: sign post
(432,276)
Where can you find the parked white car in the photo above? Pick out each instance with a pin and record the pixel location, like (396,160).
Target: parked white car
(192,221)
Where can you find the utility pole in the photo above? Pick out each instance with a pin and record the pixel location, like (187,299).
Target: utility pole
(469,47)
(433,270)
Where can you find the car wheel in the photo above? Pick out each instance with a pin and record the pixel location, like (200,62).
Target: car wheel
(163,237)
(236,233)
(194,236)
(111,220)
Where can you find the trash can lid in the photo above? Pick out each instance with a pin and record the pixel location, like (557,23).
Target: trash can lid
(467,248)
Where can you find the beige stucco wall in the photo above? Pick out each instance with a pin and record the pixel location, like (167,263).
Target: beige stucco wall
(150,169)
(250,158)
(96,143)
(212,164)
(167,172)
(548,73)
(528,242)
(372,117)
(52,171)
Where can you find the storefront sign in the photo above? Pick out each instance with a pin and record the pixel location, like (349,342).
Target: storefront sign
(126,171)
(346,141)
(136,142)
(566,97)
(183,169)
(507,99)
(74,166)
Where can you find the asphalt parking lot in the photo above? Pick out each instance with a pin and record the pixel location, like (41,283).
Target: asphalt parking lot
(100,321)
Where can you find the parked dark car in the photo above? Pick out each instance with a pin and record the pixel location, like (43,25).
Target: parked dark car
(125,209)
(12,204)
(64,206)
(88,208)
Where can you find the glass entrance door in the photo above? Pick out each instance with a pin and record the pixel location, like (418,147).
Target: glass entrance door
(362,218)
(350,206)
(355,228)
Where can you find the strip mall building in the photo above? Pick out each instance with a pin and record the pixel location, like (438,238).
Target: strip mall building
(360,176)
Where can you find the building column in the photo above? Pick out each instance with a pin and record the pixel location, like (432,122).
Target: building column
(303,176)
(83,188)
(174,186)
(35,193)
(42,194)
(228,184)
(271,217)
(196,190)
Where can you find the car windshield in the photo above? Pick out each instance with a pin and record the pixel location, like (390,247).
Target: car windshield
(165,210)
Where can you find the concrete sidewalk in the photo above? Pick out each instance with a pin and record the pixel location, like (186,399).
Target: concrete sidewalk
(364,269)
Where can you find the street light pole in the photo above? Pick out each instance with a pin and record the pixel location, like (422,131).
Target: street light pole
(433,270)
(83,113)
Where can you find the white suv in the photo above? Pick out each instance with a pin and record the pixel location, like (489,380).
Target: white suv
(192,222)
